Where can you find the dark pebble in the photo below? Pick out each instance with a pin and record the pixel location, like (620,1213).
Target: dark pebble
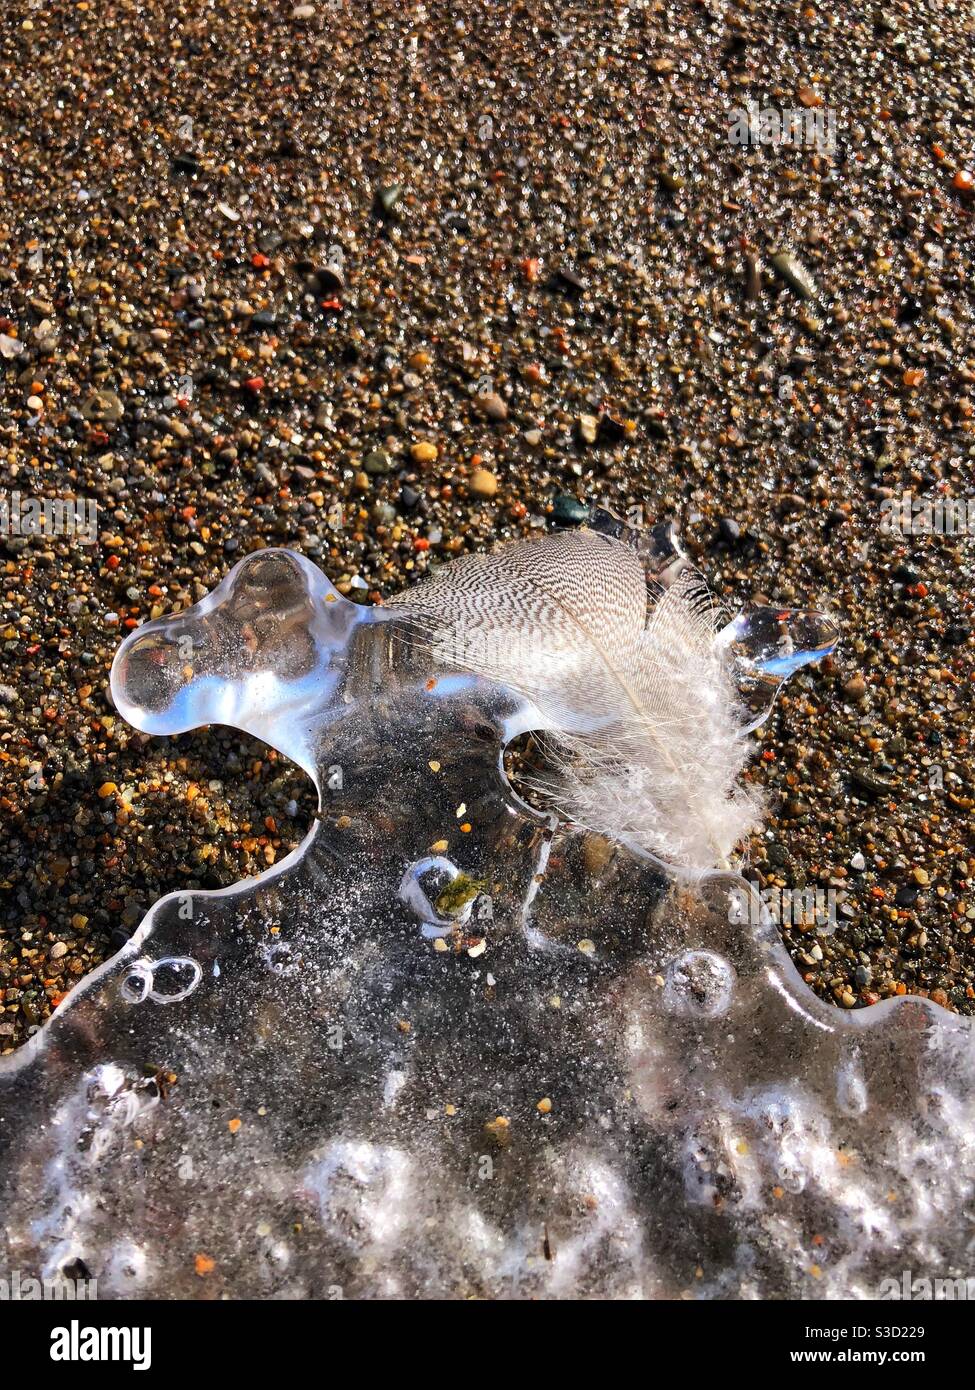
(569,511)
(568,281)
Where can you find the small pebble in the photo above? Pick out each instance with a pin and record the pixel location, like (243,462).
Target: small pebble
(483,483)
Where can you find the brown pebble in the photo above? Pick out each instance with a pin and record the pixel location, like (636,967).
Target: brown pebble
(492,407)
(483,483)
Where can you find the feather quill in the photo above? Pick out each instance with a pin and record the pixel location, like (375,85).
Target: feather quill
(637,704)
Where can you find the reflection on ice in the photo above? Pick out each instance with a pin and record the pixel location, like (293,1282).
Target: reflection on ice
(768,645)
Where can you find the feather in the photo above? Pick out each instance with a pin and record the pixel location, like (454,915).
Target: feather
(639,708)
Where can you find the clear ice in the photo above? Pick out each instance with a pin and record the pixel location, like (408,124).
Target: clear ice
(451,1047)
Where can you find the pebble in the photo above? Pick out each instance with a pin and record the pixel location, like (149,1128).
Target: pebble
(569,281)
(329,279)
(569,511)
(424,452)
(387,199)
(588,427)
(790,269)
(377,461)
(492,406)
(483,483)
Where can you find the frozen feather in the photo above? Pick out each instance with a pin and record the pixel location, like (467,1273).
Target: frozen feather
(639,705)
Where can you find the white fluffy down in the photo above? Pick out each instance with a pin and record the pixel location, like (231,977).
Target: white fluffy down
(641,713)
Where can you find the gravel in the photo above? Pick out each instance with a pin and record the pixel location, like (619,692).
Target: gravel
(387,285)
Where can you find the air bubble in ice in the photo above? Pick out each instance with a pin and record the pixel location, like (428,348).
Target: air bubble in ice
(420,887)
(699,983)
(165,981)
